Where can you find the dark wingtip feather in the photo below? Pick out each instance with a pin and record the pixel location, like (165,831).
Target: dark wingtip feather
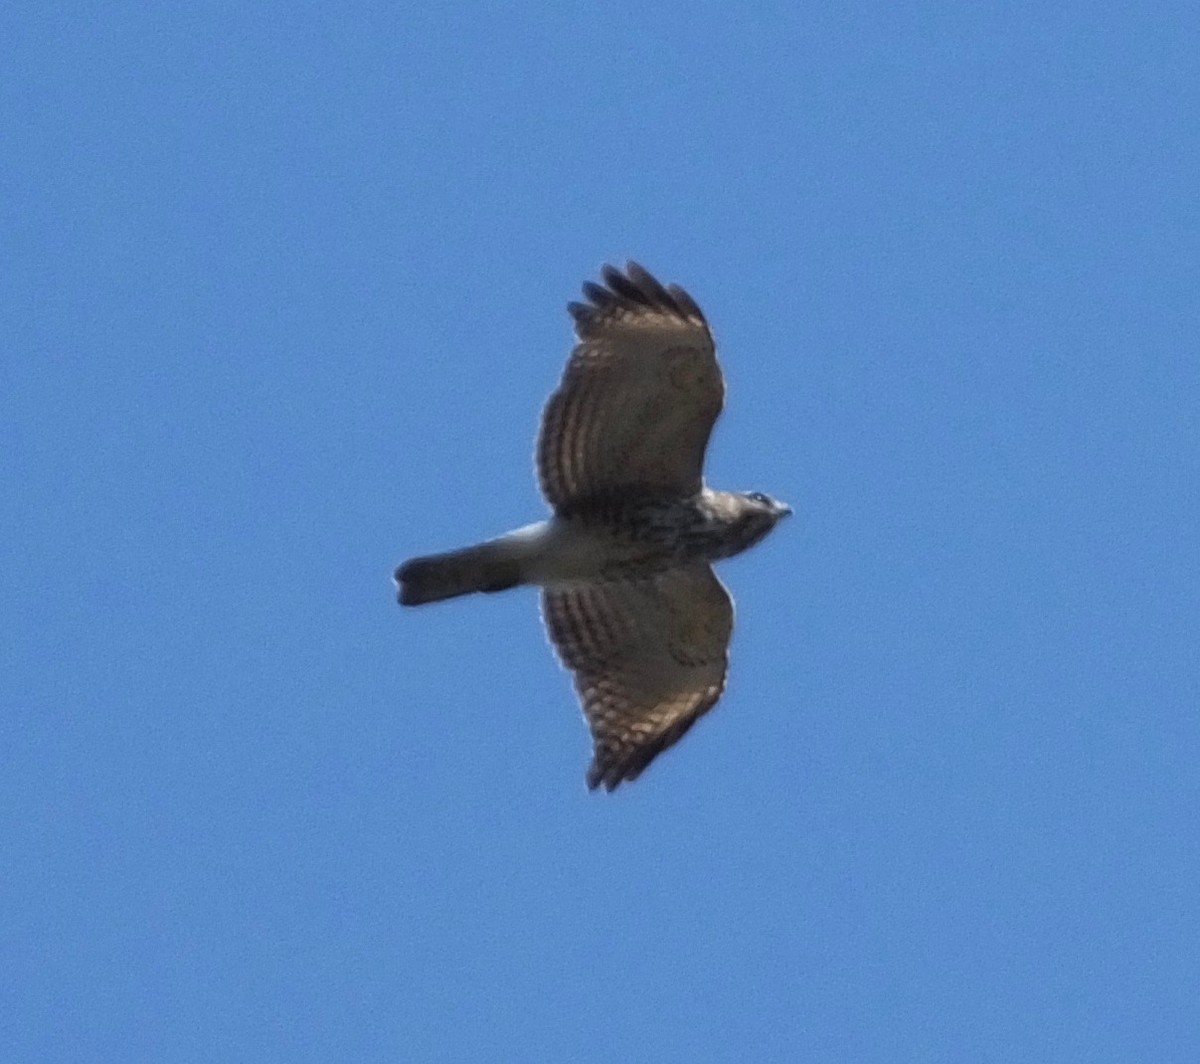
(611,772)
(648,283)
(686,303)
(623,286)
(634,289)
(602,772)
(599,295)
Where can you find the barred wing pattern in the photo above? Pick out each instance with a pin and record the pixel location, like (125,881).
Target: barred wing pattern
(638,399)
(649,658)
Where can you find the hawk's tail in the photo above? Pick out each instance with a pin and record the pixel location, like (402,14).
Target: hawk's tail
(486,567)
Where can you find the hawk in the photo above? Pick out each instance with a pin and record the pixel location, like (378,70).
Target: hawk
(629,596)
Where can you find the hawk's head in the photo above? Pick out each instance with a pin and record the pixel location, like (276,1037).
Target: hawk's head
(760,513)
(745,517)
(757,502)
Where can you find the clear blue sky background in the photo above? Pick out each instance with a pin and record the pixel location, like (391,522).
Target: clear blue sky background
(283,293)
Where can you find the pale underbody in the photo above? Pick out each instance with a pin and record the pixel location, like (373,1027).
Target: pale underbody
(594,546)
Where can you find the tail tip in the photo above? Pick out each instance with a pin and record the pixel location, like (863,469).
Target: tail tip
(413,583)
(405,593)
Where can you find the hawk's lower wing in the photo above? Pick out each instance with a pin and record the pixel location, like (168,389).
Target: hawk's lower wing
(649,658)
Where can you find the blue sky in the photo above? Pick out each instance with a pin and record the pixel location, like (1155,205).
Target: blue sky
(283,292)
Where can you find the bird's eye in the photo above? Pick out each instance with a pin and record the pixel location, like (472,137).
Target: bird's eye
(759,497)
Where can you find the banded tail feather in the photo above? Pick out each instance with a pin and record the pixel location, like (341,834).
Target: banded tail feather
(485,567)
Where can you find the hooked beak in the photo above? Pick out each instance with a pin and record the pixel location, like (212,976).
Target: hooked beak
(782,509)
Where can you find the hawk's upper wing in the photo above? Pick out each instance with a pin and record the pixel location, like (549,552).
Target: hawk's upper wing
(638,398)
(649,658)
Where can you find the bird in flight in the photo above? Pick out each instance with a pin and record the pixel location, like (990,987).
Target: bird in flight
(629,596)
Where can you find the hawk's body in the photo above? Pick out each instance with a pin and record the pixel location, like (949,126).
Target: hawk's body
(629,598)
